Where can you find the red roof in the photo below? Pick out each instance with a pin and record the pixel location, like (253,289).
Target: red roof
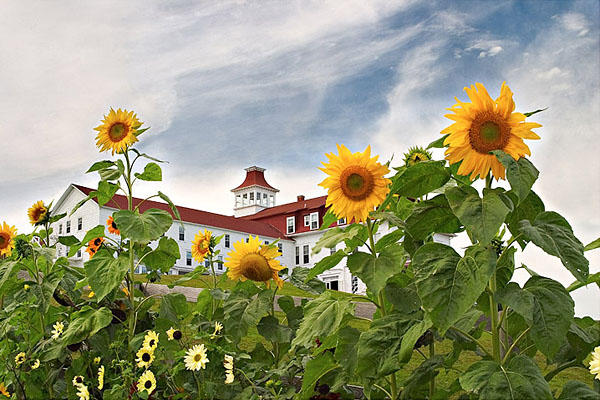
(197,216)
(289,208)
(255,176)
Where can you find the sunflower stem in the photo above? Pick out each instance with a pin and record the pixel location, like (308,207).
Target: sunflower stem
(432,382)
(132,314)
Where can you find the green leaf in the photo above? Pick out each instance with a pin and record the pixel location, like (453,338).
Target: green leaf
(439,143)
(7,270)
(243,312)
(346,348)
(432,216)
(328,219)
(520,174)
(379,346)
(86,323)
(43,293)
(518,299)
(152,172)
(478,375)
(144,154)
(520,379)
(402,294)
(314,370)
(97,166)
(270,328)
(449,285)
(421,375)
(82,202)
(529,114)
(420,179)
(171,206)
(143,228)
(593,245)
(325,264)
(164,256)
(410,339)
(335,235)
(593,278)
(553,312)
(481,216)
(105,192)
(389,239)
(97,231)
(576,390)
(68,240)
(300,278)
(553,234)
(505,267)
(105,272)
(389,217)
(389,262)
(527,209)
(174,307)
(323,317)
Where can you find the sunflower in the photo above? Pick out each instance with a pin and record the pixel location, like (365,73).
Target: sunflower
(174,334)
(195,358)
(20,358)
(36,364)
(58,329)
(145,356)
(254,261)
(97,360)
(485,125)
(147,382)
(151,340)
(7,234)
(355,184)
(112,227)
(77,380)
(201,245)
(4,390)
(118,131)
(218,329)
(37,212)
(83,393)
(101,377)
(595,363)
(228,364)
(415,155)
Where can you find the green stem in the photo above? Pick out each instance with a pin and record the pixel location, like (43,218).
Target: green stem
(432,382)
(512,347)
(465,334)
(132,314)
(494,320)
(548,377)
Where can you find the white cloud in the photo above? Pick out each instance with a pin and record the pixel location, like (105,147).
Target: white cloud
(575,22)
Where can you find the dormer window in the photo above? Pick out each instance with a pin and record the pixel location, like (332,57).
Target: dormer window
(291,224)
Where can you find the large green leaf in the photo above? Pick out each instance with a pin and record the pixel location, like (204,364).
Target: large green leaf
(270,328)
(152,172)
(346,349)
(420,179)
(326,264)
(410,339)
(243,312)
(518,299)
(520,174)
(336,235)
(164,256)
(553,311)
(323,317)
(431,216)
(8,269)
(105,272)
(592,245)
(449,285)
(553,234)
(105,192)
(43,293)
(478,375)
(143,228)
(378,347)
(420,376)
(302,279)
(527,209)
(314,370)
(576,390)
(520,379)
(86,323)
(374,272)
(481,216)
(174,307)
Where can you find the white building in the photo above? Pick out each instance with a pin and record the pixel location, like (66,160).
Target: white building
(295,224)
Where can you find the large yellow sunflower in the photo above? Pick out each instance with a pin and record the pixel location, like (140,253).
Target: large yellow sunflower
(355,184)
(118,131)
(254,261)
(485,125)
(37,212)
(147,382)
(201,245)
(7,234)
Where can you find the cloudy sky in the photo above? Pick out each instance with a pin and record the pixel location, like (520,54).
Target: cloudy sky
(229,84)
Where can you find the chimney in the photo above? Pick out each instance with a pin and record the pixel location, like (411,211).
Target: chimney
(300,197)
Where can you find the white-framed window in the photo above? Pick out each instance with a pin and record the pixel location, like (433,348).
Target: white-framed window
(354,284)
(307,220)
(280,247)
(68,229)
(181,233)
(265,199)
(271,201)
(314,220)
(251,197)
(297,255)
(332,285)
(238,200)
(342,221)
(79,223)
(332,250)
(60,229)
(227,240)
(245,199)
(78,253)
(291,224)
(207,263)
(258,198)
(220,263)
(188,257)
(305,254)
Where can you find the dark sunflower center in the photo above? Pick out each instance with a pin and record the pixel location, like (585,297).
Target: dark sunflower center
(4,239)
(117,132)
(255,267)
(113,225)
(97,242)
(79,380)
(151,342)
(148,384)
(177,335)
(357,182)
(92,250)
(488,132)
(197,357)
(37,213)
(145,357)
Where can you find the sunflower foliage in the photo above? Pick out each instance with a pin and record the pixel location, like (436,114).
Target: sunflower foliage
(93,332)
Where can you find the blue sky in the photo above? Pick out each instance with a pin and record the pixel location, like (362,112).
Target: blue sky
(229,84)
